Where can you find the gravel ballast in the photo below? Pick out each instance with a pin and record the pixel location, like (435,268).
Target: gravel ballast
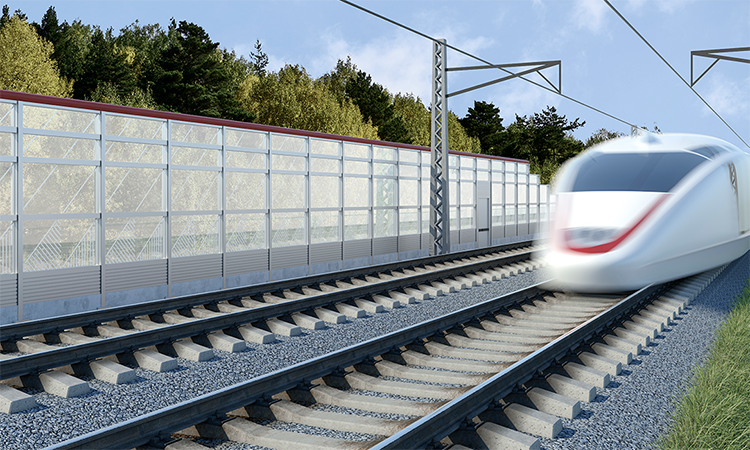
(630,413)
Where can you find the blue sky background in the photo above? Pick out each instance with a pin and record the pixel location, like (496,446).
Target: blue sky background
(604,63)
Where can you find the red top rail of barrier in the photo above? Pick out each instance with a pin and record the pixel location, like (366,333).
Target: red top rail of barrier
(117,109)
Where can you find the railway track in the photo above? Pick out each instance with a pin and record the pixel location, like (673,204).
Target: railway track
(49,354)
(498,374)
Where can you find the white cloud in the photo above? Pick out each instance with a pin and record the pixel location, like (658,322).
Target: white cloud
(727,97)
(590,15)
(665,6)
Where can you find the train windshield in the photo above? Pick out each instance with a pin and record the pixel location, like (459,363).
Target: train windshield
(641,172)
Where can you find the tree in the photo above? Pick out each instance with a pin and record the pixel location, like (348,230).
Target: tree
(483,122)
(416,118)
(291,98)
(190,78)
(26,63)
(106,63)
(258,59)
(376,105)
(600,136)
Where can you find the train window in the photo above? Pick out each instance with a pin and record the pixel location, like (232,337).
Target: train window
(644,172)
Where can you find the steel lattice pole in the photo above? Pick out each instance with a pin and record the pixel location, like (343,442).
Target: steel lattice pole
(439,198)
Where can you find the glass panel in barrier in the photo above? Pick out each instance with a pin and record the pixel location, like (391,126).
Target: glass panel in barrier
(324,192)
(45,118)
(195,190)
(425,220)
(510,194)
(467,193)
(408,192)
(408,156)
(384,192)
(195,235)
(286,143)
(356,192)
(320,147)
(510,167)
(288,229)
(129,239)
(533,211)
(7,247)
(497,193)
(356,225)
(522,179)
(523,168)
(292,163)
(356,150)
(467,174)
(497,166)
(453,193)
(453,174)
(7,144)
(246,190)
(196,134)
(287,191)
(324,226)
(467,217)
(483,176)
(190,156)
(425,192)
(467,162)
(7,114)
(510,178)
(510,215)
(6,187)
(247,139)
(497,215)
(483,164)
(384,223)
(543,193)
(59,147)
(533,194)
(408,171)
(497,177)
(408,221)
(133,189)
(384,169)
(129,126)
(245,232)
(453,161)
(134,153)
(356,167)
(454,219)
(58,188)
(522,210)
(58,244)
(384,153)
(246,160)
(325,165)
(426,170)
(523,194)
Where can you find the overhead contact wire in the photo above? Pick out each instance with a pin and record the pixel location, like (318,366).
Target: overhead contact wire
(673,70)
(465,53)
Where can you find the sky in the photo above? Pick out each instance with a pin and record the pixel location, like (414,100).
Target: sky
(604,63)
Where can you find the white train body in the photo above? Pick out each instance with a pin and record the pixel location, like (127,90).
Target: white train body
(635,211)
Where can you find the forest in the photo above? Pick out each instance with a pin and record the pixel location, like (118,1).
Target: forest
(181,69)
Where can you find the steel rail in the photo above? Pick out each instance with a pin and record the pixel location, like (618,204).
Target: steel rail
(451,416)
(50,325)
(160,424)
(63,356)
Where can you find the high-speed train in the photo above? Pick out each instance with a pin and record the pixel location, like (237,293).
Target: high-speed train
(648,209)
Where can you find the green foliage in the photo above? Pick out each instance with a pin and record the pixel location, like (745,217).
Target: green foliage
(375,104)
(190,78)
(26,63)
(416,118)
(715,410)
(106,63)
(600,136)
(107,92)
(483,122)
(258,59)
(291,98)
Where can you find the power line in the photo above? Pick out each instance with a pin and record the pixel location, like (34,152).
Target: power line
(419,33)
(673,70)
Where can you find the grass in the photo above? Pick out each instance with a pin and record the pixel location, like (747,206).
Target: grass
(715,412)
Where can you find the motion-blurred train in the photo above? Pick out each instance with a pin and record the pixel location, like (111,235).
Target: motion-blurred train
(649,209)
